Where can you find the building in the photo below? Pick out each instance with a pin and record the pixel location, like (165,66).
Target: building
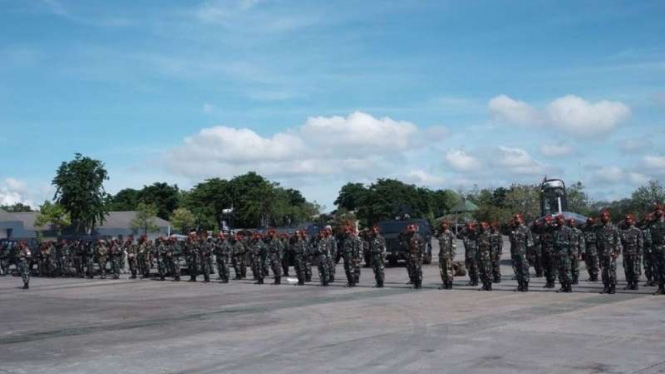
(22,226)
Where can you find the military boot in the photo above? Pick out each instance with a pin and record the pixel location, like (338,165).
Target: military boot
(177,278)
(569,288)
(575,280)
(549,284)
(660,290)
(520,287)
(562,289)
(26,286)
(606,288)
(497,279)
(444,286)
(629,286)
(206,279)
(192,278)
(636,287)
(489,286)
(648,283)
(613,289)
(526,287)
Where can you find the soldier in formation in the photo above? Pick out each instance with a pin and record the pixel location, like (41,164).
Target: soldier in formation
(484,256)
(416,250)
(591,258)
(563,249)
(377,248)
(447,249)
(520,241)
(469,237)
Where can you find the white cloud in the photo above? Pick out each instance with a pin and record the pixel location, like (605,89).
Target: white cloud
(516,160)
(655,164)
(557,150)
(505,108)
(615,175)
(460,160)
(421,177)
(635,145)
(13,191)
(570,114)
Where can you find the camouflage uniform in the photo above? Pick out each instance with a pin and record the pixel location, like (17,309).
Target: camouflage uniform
(175,253)
(520,242)
(141,259)
(349,253)
(563,247)
(322,255)
(648,256)
(4,259)
(132,254)
(222,252)
(299,250)
(578,248)
(286,257)
(470,238)
(377,247)
(548,258)
(632,241)
(658,247)
(535,254)
(447,247)
(609,247)
(102,257)
(497,252)
(484,245)
(162,260)
(79,259)
(205,255)
(259,257)
(24,255)
(193,258)
(357,257)
(275,254)
(115,255)
(591,251)
(238,259)
(46,269)
(416,251)
(331,243)
(310,258)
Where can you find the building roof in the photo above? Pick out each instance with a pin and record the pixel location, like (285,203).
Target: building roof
(114,220)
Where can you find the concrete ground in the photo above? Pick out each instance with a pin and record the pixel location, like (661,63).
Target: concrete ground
(147,326)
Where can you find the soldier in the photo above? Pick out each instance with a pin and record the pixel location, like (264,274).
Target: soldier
(275,254)
(205,254)
(416,245)
(239,256)
(609,247)
(632,241)
(24,255)
(447,247)
(192,253)
(132,256)
(548,258)
(648,258)
(4,258)
(160,256)
(102,257)
(321,255)
(258,250)
(331,243)
(357,255)
(497,252)
(90,252)
(469,236)
(115,254)
(535,252)
(563,248)
(349,249)
(222,250)
(299,248)
(78,258)
(658,248)
(286,255)
(46,260)
(591,249)
(578,248)
(520,242)
(377,247)
(484,245)
(141,257)
(175,253)
(312,243)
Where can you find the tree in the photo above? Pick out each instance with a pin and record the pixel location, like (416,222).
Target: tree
(80,191)
(647,196)
(578,200)
(350,196)
(16,208)
(164,197)
(125,200)
(54,214)
(183,220)
(144,220)
(525,199)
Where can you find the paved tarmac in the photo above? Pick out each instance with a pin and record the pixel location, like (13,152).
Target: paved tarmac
(148,326)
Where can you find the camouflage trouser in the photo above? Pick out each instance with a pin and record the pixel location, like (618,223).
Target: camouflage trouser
(205,266)
(378,265)
(592,263)
(78,266)
(174,265)
(299,267)
(521,267)
(308,269)
(564,269)
(285,263)
(211,269)
(549,263)
(349,268)
(24,270)
(609,267)
(4,266)
(162,266)
(485,267)
(446,268)
(147,265)
(575,266)
(496,266)
(276,266)
(257,267)
(356,269)
(471,263)
(658,255)
(90,266)
(331,267)
(140,263)
(648,263)
(238,262)
(535,257)
(223,268)
(115,266)
(416,271)
(324,269)
(631,267)
(102,267)
(193,265)
(133,265)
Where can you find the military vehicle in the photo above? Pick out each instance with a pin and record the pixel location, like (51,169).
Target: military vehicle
(393,231)
(554,201)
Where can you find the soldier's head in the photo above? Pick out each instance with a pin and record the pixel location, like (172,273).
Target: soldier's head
(375,230)
(272,232)
(484,226)
(590,221)
(605,216)
(629,220)
(560,220)
(571,222)
(445,225)
(411,229)
(518,219)
(659,211)
(470,225)
(495,226)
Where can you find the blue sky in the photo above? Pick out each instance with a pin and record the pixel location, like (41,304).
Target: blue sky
(447,94)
